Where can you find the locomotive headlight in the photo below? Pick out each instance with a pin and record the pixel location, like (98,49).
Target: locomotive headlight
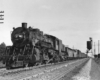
(20,36)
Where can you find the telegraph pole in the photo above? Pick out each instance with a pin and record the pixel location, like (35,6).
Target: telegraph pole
(91,45)
(94,49)
(98,46)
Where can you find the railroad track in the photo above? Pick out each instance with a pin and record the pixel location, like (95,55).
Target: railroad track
(48,73)
(4,72)
(38,70)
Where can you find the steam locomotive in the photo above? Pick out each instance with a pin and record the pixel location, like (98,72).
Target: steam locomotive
(31,47)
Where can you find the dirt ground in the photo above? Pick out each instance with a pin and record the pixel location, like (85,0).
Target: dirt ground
(97,60)
(73,72)
(94,73)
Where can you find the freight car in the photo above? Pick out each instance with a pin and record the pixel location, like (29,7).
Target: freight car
(80,54)
(32,47)
(71,53)
(74,54)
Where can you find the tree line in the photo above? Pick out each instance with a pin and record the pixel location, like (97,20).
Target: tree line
(2,50)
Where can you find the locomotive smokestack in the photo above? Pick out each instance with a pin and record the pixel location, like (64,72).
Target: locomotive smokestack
(24,25)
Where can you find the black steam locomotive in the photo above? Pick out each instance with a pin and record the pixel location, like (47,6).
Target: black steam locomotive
(32,47)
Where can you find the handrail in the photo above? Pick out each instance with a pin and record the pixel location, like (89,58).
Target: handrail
(24,49)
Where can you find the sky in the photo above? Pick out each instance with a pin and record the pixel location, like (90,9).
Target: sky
(72,21)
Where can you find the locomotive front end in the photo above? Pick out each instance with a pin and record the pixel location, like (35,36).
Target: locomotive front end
(20,35)
(20,38)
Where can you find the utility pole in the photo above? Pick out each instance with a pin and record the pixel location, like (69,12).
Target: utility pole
(98,46)
(91,40)
(94,49)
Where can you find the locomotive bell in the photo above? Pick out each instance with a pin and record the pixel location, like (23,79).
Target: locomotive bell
(24,25)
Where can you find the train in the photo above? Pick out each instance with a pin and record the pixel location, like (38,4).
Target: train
(31,47)
(96,55)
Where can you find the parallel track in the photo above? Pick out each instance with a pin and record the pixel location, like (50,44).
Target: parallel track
(4,72)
